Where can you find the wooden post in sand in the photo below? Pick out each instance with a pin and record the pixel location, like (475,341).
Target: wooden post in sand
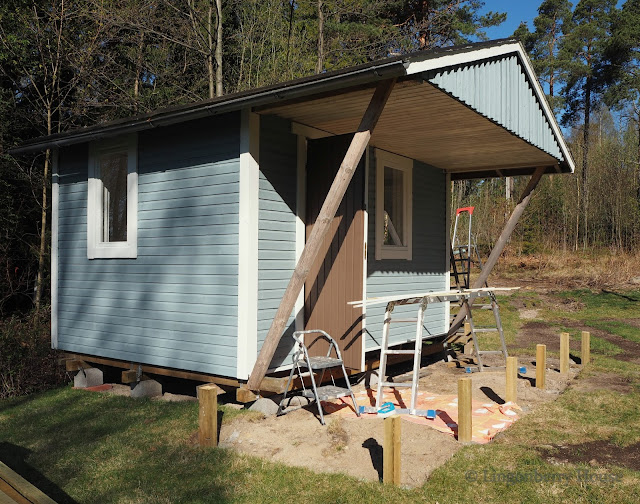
(464,410)
(585,356)
(512,380)
(564,353)
(541,366)
(391,450)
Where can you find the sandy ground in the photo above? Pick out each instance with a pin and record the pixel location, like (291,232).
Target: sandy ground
(354,446)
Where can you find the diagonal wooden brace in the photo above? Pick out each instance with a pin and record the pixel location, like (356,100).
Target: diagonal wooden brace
(320,229)
(500,244)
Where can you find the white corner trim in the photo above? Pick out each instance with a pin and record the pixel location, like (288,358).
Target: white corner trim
(384,158)
(55,212)
(492,52)
(366,256)
(447,265)
(247,349)
(96,248)
(301,209)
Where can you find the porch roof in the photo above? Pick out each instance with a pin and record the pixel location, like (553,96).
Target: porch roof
(474,111)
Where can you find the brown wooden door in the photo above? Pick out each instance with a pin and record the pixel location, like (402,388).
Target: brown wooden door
(336,276)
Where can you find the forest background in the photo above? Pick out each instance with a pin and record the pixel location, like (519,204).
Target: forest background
(65,64)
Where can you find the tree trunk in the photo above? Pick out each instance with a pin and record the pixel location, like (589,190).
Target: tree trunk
(320,62)
(585,162)
(210,50)
(219,90)
(43,220)
(136,85)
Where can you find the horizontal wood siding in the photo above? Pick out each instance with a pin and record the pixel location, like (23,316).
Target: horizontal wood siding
(426,272)
(176,304)
(276,227)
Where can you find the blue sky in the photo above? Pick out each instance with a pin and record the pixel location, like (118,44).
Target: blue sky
(517,11)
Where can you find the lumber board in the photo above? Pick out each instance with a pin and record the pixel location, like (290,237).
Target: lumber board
(23,487)
(320,229)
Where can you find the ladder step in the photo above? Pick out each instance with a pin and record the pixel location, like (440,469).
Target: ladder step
(399,352)
(327,392)
(321,362)
(396,385)
(486,329)
(404,320)
(490,352)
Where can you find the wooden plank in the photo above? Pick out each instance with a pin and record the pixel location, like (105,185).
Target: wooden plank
(244,395)
(391,450)
(129,376)
(541,366)
(9,495)
(75,365)
(564,353)
(22,486)
(500,243)
(511,394)
(464,410)
(585,347)
(320,229)
(175,373)
(208,416)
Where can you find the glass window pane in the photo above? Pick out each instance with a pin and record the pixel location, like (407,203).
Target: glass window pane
(113,173)
(393,207)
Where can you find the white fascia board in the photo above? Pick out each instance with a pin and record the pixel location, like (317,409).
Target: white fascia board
(463,58)
(55,212)
(247,348)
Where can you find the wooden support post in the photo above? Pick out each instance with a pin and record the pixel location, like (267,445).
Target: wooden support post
(75,365)
(468,345)
(541,366)
(129,376)
(512,380)
(391,450)
(585,356)
(320,230)
(464,410)
(564,353)
(500,244)
(208,415)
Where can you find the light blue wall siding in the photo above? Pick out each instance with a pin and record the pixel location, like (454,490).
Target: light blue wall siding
(176,304)
(427,271)
(276,227)
(499,90)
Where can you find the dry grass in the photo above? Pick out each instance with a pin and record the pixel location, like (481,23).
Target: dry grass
(594,270)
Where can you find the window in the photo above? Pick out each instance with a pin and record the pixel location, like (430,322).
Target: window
(393,206)
(112,206)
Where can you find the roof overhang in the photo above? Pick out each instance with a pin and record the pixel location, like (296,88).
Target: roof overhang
(441,111)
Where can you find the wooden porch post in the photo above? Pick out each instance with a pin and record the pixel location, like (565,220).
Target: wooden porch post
(320,229)
(500,244)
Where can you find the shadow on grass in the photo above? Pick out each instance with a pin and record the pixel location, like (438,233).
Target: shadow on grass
(15,458)
(81,447)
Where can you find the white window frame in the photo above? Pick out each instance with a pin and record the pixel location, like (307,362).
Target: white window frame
(96,247)
(384,158)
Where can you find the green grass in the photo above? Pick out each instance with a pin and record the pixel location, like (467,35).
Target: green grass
(88,447)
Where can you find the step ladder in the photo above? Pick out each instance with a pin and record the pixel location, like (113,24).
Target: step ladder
(416,352)
(304,365)
(461,255)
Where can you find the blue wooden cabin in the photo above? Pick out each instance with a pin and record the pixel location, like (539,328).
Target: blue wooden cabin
(175,233)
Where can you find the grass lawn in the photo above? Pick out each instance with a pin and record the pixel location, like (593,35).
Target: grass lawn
(87,447)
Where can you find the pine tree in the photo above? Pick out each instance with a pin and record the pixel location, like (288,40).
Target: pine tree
(583,50)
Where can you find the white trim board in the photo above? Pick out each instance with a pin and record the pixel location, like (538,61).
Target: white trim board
(471,57)
(55,212)
(247,349)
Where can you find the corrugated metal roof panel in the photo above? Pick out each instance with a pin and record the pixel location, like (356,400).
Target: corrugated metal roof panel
(500,90)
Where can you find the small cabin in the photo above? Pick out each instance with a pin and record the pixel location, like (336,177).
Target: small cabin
(175,234)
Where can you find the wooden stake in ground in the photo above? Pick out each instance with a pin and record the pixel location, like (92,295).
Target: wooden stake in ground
(464,410)
(208,416)
(320,229)
(564,353)
(512,380)
(391,450)
(585,356)
(500,244)
(541,366)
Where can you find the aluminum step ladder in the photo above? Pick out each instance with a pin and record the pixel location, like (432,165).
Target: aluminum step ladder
(312,365)
(416,352)
(461,258)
